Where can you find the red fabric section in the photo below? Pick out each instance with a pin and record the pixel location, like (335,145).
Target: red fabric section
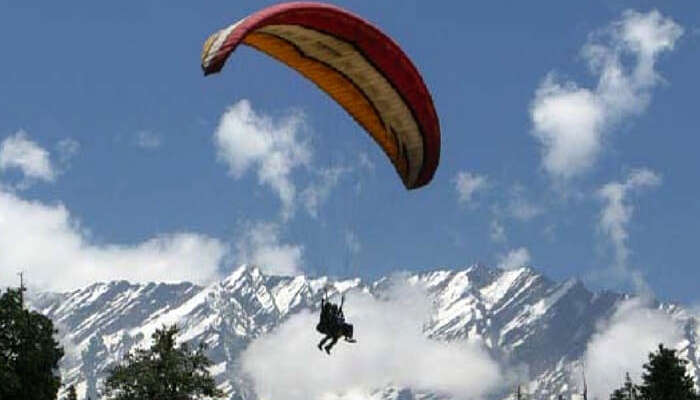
(378,48)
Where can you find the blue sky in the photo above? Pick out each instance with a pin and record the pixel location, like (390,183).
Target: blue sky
(132,173)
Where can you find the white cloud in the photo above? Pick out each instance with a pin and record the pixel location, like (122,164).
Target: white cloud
(570,121)
(567,122)
(515,258)
(147,140)
(260,245)
(18,151)
(467,184)
(392,349)
(623,343)
(497,232)
(56,253)
(314,195)
(616,215)
(273,148)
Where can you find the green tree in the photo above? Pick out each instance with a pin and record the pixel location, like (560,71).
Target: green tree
(162,372)
(29,354)
(628,391)
(665,377)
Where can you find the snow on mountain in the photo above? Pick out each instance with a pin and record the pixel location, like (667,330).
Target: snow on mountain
(529,321)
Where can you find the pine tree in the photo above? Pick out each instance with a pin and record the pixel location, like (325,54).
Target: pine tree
(162,372)
(618,394)
(29,354)
(665,377)
(628,391)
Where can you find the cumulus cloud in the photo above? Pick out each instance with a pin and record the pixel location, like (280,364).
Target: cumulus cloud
(571,121)
(57,254)
(392,349)
(616,215)
(261,245)
(467,184)
(622,344)
(273,148)
(147,140)
(314,195)
(515,258)
(20,152)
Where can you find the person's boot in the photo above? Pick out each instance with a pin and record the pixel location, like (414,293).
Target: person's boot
(328,349)
(320,347)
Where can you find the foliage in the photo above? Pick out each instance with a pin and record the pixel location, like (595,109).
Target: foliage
(29,354)
(162,372)
(628,391)
(665,377)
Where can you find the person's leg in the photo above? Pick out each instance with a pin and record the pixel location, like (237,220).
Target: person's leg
(323,341)
(331,344)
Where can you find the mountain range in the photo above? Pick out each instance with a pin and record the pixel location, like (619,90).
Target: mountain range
(518,315)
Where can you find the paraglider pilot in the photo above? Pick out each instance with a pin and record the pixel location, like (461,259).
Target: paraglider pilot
(332,324)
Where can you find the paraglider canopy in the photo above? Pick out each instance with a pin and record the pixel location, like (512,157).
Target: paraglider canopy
(360,67)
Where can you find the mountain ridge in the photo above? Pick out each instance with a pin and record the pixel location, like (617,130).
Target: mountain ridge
(519,314)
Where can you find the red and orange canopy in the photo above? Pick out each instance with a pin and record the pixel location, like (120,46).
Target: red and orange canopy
(356,64)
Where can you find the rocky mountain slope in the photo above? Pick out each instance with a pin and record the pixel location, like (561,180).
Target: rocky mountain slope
(519,314)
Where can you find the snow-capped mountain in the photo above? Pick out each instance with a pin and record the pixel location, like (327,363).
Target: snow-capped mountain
(519,314)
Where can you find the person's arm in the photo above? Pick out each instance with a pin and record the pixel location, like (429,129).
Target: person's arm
(342,301)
